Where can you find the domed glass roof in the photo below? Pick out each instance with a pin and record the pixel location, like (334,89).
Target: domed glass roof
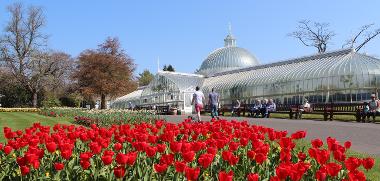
(229,57)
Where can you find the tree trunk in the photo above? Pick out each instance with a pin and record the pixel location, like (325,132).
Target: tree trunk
(103,102)
(34,101)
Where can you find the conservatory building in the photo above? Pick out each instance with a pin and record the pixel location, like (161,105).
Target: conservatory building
(338,76)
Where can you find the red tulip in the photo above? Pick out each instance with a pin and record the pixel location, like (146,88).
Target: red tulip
(131,158)
(160,168)
(51,147)
(1,146)
(175,147)
(95,147)
(317,143)
(223,176)
(211,150)
(243,141)
(21,161)
(107,159)
(24,170)
(356,175)
(347,144)
(260,158)
(251,154)
(368,163)
(233,146)
(151,151)
(66,154)
(36,164)
(322,156)
(186,147)
(7,149)
(205,160)
(192,173)
(301,156)
(321,174)
(85,156)
(58,166)
(119,172)
(121,158)
(180,166)
(333,169)
(233,160)
(298,135)
(85,164)
(339,156)
(253,177)
(352,163)
(167,159)
(161,148)
(226,155)
(274,178)
(117,146)
(188,156)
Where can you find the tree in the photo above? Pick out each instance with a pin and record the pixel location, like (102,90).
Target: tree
(22,48)
(145,78)
(107,71)
(313,34)
(369,36)
(168,68)
(13,93)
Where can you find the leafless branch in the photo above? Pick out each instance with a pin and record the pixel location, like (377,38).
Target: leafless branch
(370,36)
(317,35)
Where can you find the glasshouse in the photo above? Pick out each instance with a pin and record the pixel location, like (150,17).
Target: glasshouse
(339,76)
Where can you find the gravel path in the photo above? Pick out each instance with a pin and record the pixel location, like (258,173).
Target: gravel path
(365,137)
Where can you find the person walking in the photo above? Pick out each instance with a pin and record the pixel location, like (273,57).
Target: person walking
(213,99)
(197,101)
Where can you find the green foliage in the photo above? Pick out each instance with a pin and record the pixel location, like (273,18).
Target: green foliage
(71,100)
(100,117)
(14,93)
(169,68)
(145,78)
(51,101)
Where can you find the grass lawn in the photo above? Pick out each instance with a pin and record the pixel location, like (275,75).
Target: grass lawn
(22,120)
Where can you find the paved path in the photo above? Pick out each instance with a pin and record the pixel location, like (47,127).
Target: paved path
(365,137)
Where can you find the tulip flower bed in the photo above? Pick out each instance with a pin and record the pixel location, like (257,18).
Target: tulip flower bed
(216,150)
(103,118)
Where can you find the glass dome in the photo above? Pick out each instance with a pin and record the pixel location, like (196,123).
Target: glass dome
(339,76)
(229,57)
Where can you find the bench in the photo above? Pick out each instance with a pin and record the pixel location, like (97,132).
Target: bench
(328,110)
(162,110)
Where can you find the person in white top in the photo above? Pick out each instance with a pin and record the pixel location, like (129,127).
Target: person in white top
(197,101)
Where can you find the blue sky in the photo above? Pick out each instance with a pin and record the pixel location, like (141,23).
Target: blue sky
(183,33)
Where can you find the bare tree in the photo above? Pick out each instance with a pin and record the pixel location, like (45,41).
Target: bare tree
(313,34)
(368,34)
(21,48)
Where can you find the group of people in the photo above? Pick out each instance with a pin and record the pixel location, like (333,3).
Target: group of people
(259,109)
(197,101)
(371,109)
(263,108)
